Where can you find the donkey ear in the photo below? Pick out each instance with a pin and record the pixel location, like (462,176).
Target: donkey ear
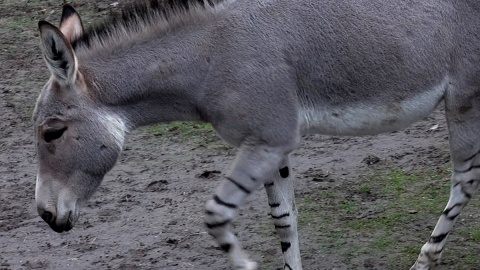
(58,53)
(71,25)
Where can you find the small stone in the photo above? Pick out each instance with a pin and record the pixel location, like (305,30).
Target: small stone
(371,159)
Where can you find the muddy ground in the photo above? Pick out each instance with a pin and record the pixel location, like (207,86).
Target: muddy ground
(148,213)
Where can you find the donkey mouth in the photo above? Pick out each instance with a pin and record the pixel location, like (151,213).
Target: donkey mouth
(59,228)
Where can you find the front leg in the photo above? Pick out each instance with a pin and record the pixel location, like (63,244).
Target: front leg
(281,200)
(252,168)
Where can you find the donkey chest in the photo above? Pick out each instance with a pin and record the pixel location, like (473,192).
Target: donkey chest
(369,117)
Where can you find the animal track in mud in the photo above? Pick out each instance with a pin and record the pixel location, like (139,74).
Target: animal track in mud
(157,186)
(209,174)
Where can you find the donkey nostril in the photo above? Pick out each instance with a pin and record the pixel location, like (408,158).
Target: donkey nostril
(47,216)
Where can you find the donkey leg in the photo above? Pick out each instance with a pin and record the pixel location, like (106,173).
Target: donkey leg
(253,166)
(281,199)
(461,191)
(465,147)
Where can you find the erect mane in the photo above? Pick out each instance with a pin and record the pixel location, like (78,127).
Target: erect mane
(138,16)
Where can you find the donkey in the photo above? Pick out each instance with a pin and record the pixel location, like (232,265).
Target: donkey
(263,73)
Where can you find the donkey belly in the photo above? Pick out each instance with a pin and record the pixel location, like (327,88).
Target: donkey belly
(370,117)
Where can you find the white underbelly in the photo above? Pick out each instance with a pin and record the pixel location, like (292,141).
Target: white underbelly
(364,118)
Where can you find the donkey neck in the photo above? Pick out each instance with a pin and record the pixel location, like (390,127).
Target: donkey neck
(151,81)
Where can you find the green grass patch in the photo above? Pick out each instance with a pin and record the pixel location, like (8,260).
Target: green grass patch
(388,216)
(401,195)
(183,129)
(19,24)
(349,207)
(200,134)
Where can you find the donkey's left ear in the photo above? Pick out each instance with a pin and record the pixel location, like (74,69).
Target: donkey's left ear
(58,53)
(71,25)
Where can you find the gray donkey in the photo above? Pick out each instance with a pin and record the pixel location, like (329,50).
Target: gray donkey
(263,73)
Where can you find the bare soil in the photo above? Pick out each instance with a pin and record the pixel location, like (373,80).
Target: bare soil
(148,212)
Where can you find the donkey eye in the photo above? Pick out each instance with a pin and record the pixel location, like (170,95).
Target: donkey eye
(53,134)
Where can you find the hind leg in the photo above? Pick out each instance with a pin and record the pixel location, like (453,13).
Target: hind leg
(284,213)
(465,146)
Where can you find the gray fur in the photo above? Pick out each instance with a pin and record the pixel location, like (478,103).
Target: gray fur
(263,73)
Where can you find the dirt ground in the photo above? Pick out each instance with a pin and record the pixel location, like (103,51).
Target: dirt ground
(148,213)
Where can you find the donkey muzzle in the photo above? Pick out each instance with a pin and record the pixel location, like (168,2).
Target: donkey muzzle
(58,225)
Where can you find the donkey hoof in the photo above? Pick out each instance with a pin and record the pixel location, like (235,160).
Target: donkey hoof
(249,266)
(416,266)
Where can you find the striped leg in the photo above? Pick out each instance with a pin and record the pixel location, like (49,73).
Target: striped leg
(461,192)
(465,146)
(253,166)
(284,213)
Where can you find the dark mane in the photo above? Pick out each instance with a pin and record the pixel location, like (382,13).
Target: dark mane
(145,12)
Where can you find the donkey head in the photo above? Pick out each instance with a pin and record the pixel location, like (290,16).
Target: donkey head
(77,141)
